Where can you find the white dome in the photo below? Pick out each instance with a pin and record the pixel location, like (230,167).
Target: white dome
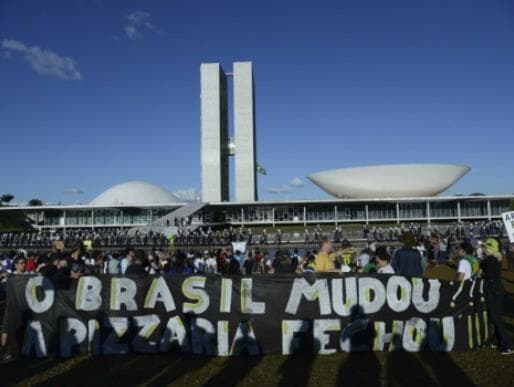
(134,193)
(389,181)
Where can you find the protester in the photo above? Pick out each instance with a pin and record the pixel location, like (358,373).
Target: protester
(491,271)
(19,268)
(138,266)
(406,260)
(468,264)
(325,258)
(127,260)
(383,261)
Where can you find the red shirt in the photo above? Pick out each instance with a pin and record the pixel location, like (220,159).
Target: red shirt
(31,265)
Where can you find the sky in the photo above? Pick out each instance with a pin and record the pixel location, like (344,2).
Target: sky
(95,93)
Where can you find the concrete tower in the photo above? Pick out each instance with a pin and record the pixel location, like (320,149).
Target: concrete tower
(244,132)
(214,133)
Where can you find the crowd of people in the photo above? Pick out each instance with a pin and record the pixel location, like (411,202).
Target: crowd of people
(99,238)
(207,236)
(418,249)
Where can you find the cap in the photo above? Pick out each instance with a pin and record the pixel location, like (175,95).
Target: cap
(492,245)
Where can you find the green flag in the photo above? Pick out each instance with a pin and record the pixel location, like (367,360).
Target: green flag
(260,169)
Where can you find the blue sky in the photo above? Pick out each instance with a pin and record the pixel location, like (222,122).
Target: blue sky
(94,93)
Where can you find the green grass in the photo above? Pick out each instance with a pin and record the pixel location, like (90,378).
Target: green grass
(483,367)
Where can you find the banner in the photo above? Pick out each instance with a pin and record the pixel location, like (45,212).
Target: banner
(235,315)
(508,221)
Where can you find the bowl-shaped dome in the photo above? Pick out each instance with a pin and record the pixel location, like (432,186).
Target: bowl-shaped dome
(389,181)
(134,193)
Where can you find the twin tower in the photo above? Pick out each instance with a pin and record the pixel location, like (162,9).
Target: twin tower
(216,145)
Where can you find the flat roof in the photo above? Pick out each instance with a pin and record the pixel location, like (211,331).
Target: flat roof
(263,202)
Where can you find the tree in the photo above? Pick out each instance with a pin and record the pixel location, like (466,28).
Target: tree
(35,202)
(6,198)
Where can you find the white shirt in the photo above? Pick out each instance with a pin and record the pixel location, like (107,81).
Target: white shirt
(464,267)
(388,269)
(363,260)
(211,266)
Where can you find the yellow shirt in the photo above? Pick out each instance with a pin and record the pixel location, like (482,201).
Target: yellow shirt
(324,262)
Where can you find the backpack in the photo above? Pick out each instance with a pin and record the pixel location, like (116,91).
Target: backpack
(475,266)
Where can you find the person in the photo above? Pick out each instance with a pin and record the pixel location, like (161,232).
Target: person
(239,257)
(127,260)
(308,263)
(211,265)
(491,272)
(19,268)
(282,264)
(509,255)
(324,261)
(138,265)
(406,260)
(383,261)
(346,258)
(468,264)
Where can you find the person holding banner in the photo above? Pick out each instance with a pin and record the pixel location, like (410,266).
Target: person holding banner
(324,261)
(491,272)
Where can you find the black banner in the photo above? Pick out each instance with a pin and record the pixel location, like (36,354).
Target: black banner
(234,315)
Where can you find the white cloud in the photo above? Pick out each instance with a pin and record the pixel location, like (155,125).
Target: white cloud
(296,182)
(137,21)
(278,190)
(44,62)
(73,191)
(187,194)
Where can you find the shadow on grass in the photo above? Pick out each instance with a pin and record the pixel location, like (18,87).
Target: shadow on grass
(445,370)
(360,369)
(405,369)
(17,370)
(234,371)
(128,370)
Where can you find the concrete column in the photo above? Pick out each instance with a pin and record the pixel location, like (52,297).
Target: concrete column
(214,133)
(488,209)
(458,212)
(244,132)
(428,212)
(366,209)
(397,213)
(304,216)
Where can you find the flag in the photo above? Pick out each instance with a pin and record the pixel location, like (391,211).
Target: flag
(260,169)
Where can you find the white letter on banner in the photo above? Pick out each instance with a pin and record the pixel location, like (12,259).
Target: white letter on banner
(394,339)
(192,289)
(119,326)
(88,296)
(245,340)
(73,333)
(414,334)
(36,305)
(34,339)
(290,343)
(441,335)
(402,303)
(175,332)
(433,295)
(148,324)
(369,305)
(350,293)
(123,291)
(93,337)
(321,339)
(159,292)
(247,303)
(223,338)
(317,291)
(226,295)
(203,337)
